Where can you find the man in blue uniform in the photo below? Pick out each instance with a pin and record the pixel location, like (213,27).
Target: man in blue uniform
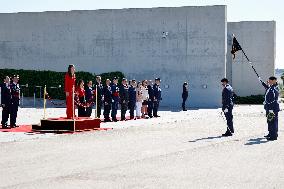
(15,101)
(107,100)
(5,101)
(227,106)
(89,96)
(99,88)
(151,99)
(271,107)
(157,96)
(115,98)
(124,98)
(132,98)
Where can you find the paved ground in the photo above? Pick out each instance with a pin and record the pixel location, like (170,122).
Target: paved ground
(178,150)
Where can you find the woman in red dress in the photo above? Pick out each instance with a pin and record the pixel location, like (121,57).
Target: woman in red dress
(69,83)
(80,92)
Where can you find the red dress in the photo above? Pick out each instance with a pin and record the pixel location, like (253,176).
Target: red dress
(69,83)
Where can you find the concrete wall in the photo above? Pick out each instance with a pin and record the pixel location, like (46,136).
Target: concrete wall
(258,41)
(127,40)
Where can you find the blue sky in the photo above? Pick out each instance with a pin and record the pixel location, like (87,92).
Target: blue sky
(237,10)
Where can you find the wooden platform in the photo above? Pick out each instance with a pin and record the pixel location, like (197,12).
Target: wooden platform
(64,124)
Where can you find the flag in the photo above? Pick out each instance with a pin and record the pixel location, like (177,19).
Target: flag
(235,47)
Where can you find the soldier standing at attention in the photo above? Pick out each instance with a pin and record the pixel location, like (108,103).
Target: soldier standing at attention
(184,95)
(124,98)
(132,98)
(107,100)
(5,101)
(271,107)
(115,98)
(227,106)
(15,101)
(99,88)
(150,99)
(157,96)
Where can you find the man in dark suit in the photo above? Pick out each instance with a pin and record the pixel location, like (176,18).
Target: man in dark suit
(15,101)
(107,100)
(99,88)
(157,96)
(124,98)
(151,99)
(5,101)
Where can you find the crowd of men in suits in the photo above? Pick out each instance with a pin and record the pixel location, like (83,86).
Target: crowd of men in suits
(10,100)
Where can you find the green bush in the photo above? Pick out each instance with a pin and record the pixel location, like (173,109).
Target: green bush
(253,99)
(54,81)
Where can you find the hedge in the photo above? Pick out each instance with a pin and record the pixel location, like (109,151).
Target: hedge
(253,99)
(54,81)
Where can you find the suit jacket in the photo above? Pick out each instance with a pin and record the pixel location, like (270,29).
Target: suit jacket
(5,94)
(271,98)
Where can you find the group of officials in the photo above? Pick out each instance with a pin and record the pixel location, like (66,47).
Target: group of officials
(10,100)
(271,106)
(144,97)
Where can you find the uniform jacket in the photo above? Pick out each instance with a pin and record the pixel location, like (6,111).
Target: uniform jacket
(123,94)
(115,92)
(132,94)
(89,94)
(15,93)
(271,98)
(151,92)
(5,94)
(157,92)
(107,94)
(227,97)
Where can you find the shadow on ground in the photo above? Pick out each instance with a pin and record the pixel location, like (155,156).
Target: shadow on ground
(254,141)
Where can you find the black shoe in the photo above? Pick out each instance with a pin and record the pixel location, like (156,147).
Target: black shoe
(13,126)
(267,136)
(107,120)
(150,116)
(5,127)
(114,120)
(271,138)
(184,110)
(227,134)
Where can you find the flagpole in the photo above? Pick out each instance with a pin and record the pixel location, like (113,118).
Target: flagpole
(250,63)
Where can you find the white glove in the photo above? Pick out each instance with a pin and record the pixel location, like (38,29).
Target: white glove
(271,111)
(226,110)
(259,78)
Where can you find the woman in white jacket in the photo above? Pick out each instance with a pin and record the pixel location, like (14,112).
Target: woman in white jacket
(138,100)
(145,97)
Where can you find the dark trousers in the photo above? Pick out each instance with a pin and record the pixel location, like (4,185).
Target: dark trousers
(273,126)
(114,107)
(131,109)
(89,111)
(107,108)
(14,113)
(99,110)
(183,102)
(123,110)
(81,111)
(155,108)
(229,118)
(5,114)
(150,108)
